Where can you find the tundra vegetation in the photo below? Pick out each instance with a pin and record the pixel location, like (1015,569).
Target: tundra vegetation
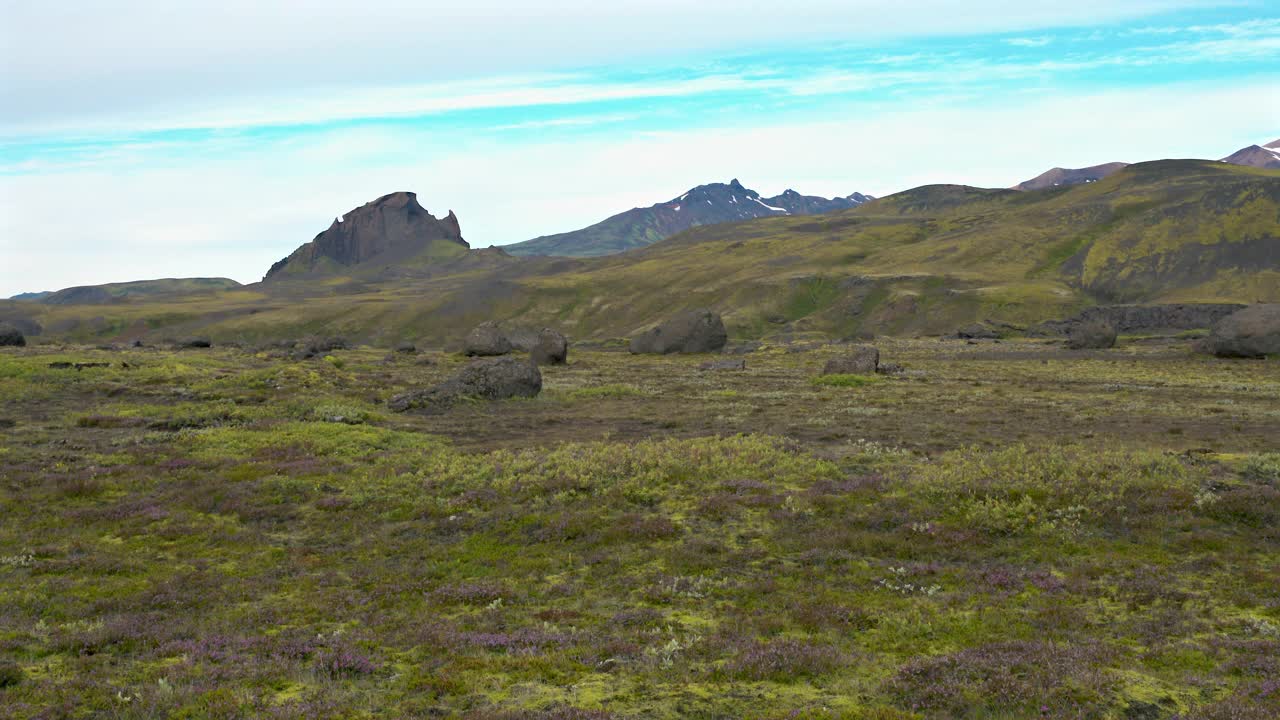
(996,531)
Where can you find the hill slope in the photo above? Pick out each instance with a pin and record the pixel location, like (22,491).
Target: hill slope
(1068,176)
(711,204)
(923,261)
(117,292)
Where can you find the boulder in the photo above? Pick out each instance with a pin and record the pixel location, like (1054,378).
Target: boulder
(696,331)
(860,360)
(1095,335)
(195,342)
(522,337)
(484,379)
(487,339)
(977,331)
(1251,332)
(406,347)
(738,364)
(11,336)
(552,348)
(317,347)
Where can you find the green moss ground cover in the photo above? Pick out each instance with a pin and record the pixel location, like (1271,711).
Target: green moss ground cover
(1005,531)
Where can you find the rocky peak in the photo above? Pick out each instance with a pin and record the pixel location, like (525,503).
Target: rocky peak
(392,228)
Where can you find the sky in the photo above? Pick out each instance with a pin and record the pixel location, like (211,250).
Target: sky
(177,139)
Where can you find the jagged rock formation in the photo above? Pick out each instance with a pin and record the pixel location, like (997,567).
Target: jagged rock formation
(391,229)
(711,204)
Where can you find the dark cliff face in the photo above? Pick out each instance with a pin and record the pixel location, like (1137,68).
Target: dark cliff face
(393,227)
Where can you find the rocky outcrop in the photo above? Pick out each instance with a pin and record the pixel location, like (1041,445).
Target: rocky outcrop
(1091,336)
(1142,318)
(487,339)
(393,227)
(1252,332)
(11,336)
(551,348)
(483,379)
(977,331)
(696,331)
(859,360)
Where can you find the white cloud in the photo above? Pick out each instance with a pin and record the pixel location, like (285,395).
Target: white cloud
(1030,42)
(67,61)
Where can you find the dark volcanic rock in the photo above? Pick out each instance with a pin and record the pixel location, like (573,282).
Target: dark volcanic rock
(407,348)
(521,337)
(1143,318)
(485,379)
(860,360)
(1252,332)
(391,228)
(485,340)
(696,331)
(1091,335)
(196,342)
(318,347)
(552,348)
(11,336)
(977,331)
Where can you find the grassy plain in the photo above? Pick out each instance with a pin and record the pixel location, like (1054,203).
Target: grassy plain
(1006,530)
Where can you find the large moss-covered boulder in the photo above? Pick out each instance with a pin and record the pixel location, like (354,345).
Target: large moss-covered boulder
(1094,335)
(696,331)
(859,360)
(487,339)
(1251,332)
(551,348)
(483,379)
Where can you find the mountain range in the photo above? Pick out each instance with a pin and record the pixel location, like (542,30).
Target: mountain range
(1259,156)
(709,204)
(926,260)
